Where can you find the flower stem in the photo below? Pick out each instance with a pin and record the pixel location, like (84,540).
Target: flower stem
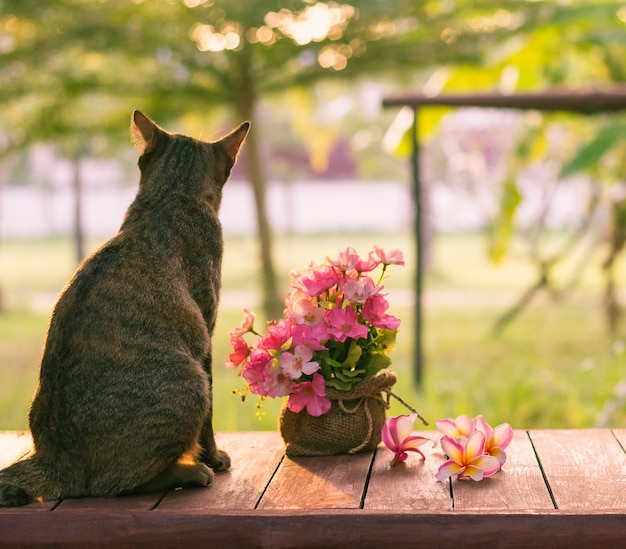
(391,393)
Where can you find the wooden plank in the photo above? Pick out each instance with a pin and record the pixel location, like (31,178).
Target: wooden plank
(13,446)
(141,502)
(518,486)
(586,469)
(409,485)
(254,458)
(339,528)
(331,482)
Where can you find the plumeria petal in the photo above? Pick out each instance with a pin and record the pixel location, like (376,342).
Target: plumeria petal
(473,472)
(465,425)
(489,465)
(499,454)
(404,425)
(453,449)
(502,435)
(447,426)
(484,427)
(396,429)
(475,446)
(448,469)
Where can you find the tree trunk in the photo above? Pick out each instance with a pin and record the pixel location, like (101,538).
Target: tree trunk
(246,100)
(77,184)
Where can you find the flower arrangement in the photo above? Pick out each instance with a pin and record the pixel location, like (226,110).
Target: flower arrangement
(475,450)
(335,333)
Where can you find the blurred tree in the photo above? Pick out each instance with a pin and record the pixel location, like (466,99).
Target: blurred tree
(72,68)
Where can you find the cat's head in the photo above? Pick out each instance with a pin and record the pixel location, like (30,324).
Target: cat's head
(171,162)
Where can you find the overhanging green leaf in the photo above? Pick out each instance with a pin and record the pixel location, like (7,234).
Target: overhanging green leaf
(591,153)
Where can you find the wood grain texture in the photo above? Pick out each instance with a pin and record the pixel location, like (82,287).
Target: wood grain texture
(586,469)
(314,502)
(331,482)
(339,528)
(518,486)
(409,485)
(254,459)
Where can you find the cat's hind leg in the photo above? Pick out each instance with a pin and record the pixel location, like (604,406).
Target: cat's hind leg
(178,475)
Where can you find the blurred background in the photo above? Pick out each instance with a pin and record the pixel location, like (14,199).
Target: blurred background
(524,212)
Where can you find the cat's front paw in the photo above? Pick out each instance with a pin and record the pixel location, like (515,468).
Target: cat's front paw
(218,460)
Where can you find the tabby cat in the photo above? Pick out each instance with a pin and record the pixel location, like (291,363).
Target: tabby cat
(124,403)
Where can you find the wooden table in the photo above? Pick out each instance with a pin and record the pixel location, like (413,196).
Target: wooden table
(559,488)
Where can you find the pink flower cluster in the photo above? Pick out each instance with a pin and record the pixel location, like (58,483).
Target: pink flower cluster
(475,450)
(336,332)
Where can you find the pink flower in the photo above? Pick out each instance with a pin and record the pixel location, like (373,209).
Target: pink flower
(344,323)
(467,459)
(303,311)
(310,395)
(347,260)
(374,312)
(359,291)
(458,429)
(240,352)
(317,281)
(394,257)
(298,363)
(278,383)
(277,337)
(396,434)
(496,439)
(256,370)
(365,266)
(246,326)
(311,336)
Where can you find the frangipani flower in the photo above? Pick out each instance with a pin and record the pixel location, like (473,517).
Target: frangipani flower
(496,439)
(396,434)
(458,429)
(467,459)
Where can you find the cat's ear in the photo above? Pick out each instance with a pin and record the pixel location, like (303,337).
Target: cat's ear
(232,142)
(144,132)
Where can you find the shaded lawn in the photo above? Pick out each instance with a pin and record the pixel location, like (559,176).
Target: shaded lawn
(554,366)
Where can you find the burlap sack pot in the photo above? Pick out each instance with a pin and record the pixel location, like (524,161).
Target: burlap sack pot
(352,424)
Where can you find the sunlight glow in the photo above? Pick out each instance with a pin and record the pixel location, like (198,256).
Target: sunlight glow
(207,38)
(315,23)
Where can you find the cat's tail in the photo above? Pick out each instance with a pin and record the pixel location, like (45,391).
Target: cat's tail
(24,482)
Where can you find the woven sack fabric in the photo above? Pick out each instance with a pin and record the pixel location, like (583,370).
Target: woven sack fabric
(352,424)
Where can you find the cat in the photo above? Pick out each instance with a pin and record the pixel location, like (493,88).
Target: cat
(123,403)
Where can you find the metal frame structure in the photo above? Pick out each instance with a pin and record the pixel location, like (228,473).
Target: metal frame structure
(574,101)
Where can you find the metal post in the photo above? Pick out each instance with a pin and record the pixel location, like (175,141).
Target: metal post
(419,248)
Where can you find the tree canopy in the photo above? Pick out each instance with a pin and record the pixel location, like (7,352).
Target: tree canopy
(72,70)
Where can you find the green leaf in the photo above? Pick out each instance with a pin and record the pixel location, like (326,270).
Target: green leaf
(374,363)
(591,153)
(340,385)
(354,353)
(385,340)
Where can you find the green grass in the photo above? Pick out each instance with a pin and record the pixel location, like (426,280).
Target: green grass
(555,366)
